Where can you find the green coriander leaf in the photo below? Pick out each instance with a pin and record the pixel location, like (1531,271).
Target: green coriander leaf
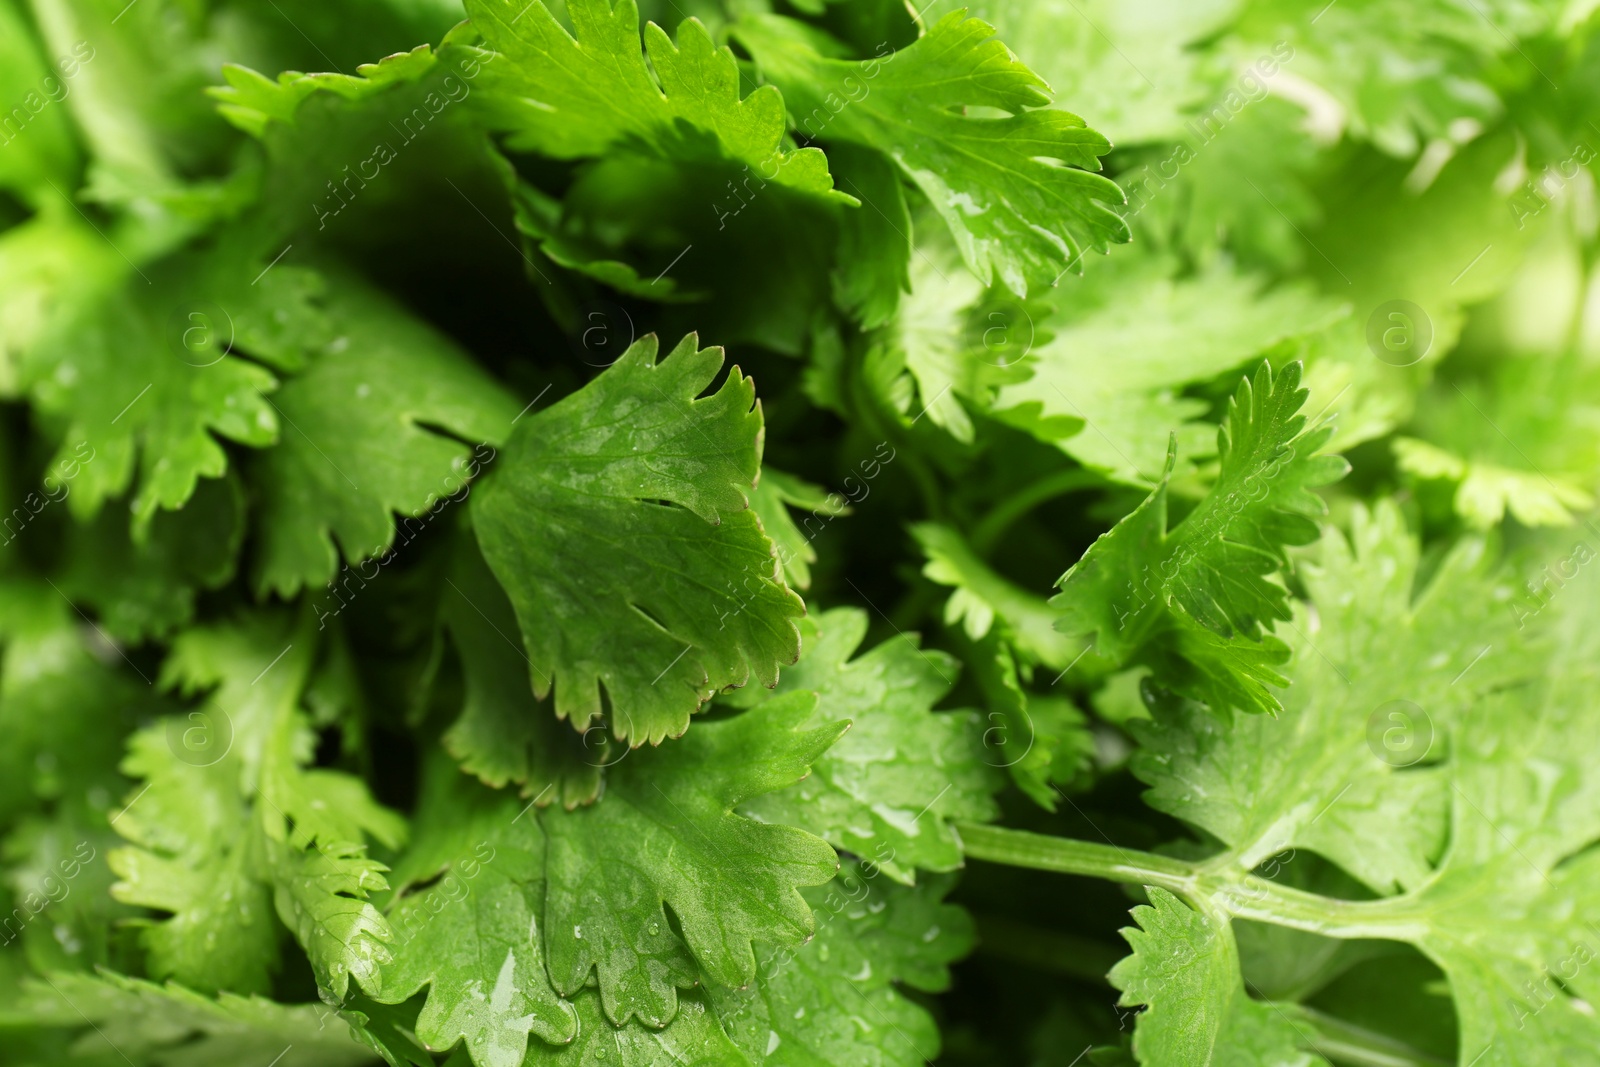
(771,500)
(1200,593)
(320,895)
(1398,73)
(694,1038)
(1185,970)
(618,524)
(175,1027)
(1506,911)
(1134,68)
(473,936)
(146,588)
(1387,660)
(504,734)
(1510,914)
(573,96)
(666,835)
(874,255)
(361,445)
(355,154)
(1486,492)
(252,101)
(999,184)
(1522,439)
(981,597)
(1187,195)
(1123,347)
(1042,739)
(872,938)
(889,788)
(197,864)
(140,370)
(929,336)
(270,824)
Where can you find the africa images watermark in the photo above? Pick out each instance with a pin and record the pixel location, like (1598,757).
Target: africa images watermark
(52,89)
(856,89)
(454,90)
(1541,589)
(53,888)
(456,485)
(1536,194)
(56,487)
(1252,86)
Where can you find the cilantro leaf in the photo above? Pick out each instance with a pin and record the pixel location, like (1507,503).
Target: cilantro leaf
(252,101)
(888,789)
(473,937)
(1136,70)
(503,734)
(1519,854)
(147,587)
(1486,492)
(1377,641)
(1041,739)
(1185,969)
(359,447)
(167,1024)
(133,369)
(774,495)
(875,240)
(1166,334)
(1480,909)
(1398,73)
(196,864)
(694,1037)
(982,597)
(1199,594)
(270,824)
(687,600)
(1521,440)
(573,96)
(666,835)
(871,939)
(1013,210)
(929,336)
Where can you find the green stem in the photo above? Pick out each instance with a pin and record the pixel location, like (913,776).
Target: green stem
(1018,504)
(1264,901)
(1042,852)
(1355,1046)
(1241,895)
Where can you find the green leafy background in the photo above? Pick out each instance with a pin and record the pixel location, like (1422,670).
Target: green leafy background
(799,532)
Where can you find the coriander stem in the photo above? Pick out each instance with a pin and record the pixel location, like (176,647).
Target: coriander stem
(1265,901)
(1347,1043)
(1013,507)
(1242,896)
(1043,852)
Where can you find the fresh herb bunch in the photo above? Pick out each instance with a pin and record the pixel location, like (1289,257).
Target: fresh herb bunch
(748,533)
